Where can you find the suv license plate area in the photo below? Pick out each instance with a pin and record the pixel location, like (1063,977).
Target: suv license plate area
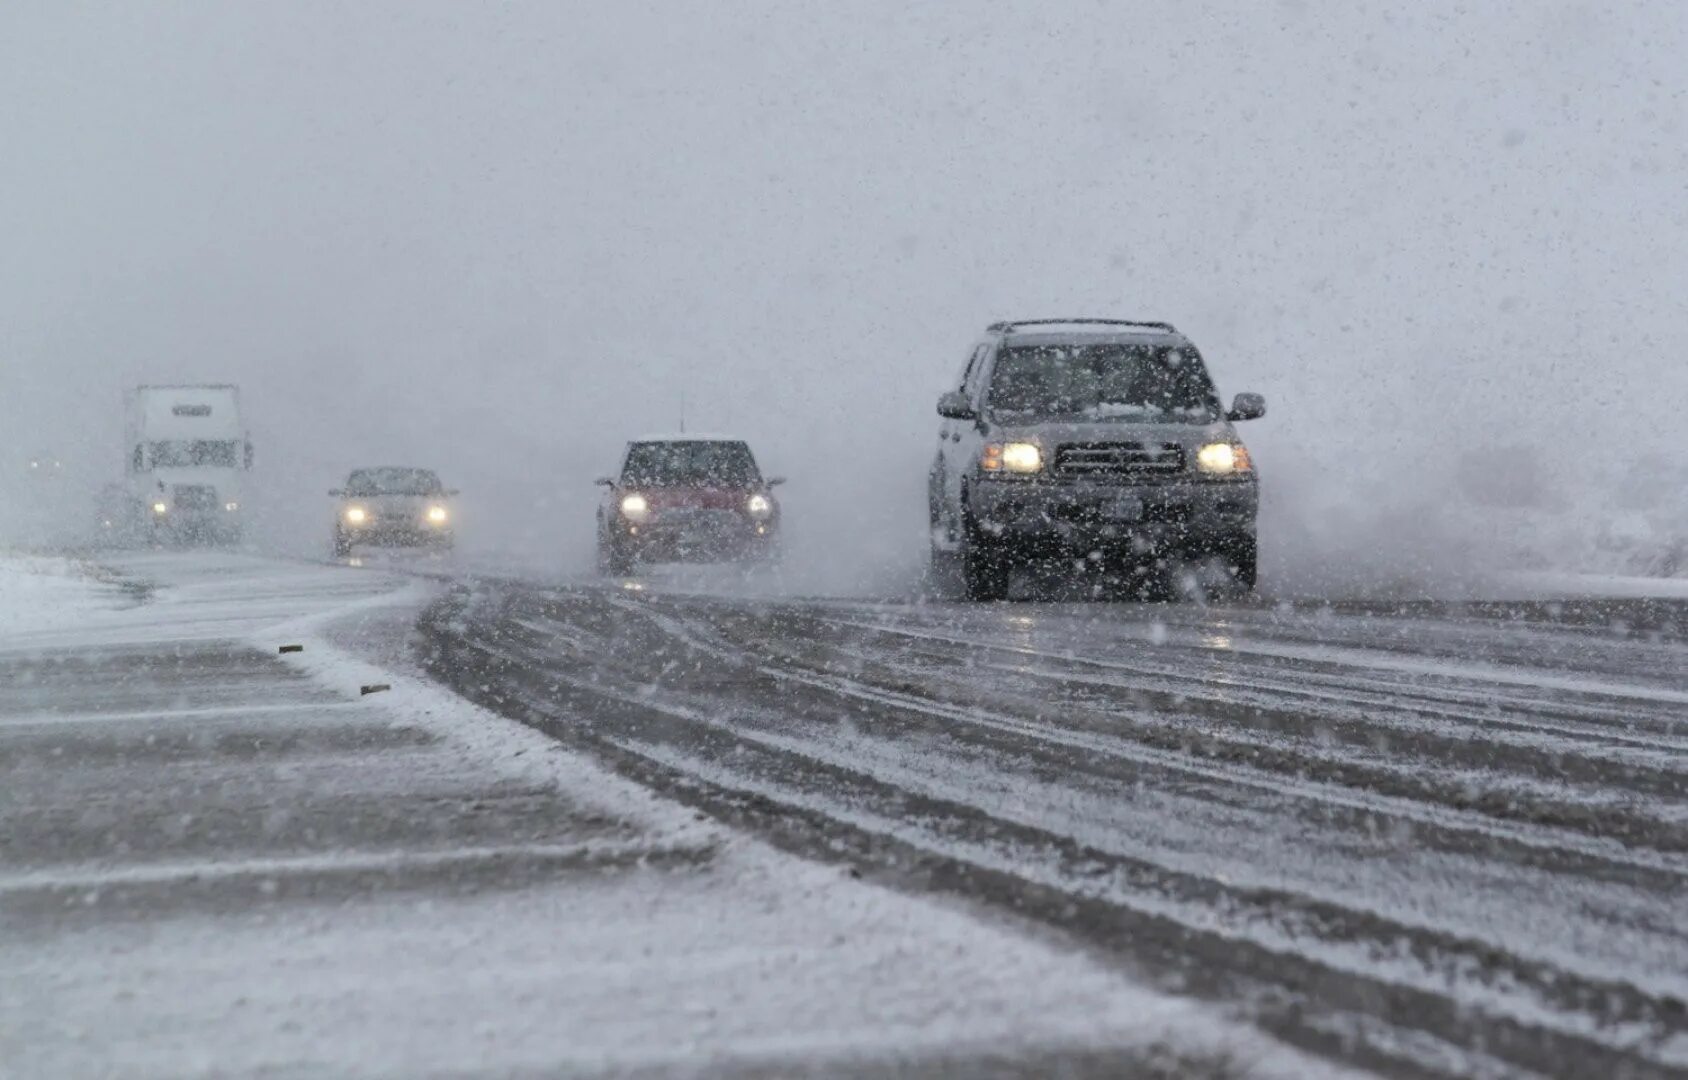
(1124,508)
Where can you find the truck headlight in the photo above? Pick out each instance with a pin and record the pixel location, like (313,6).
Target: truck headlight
(231,507)
(160,508)
(437,515)
(1224,459)
(1014,457)
(759,506)
(634,507)
(356,515)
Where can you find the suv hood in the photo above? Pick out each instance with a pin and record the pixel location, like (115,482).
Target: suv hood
(1049,435)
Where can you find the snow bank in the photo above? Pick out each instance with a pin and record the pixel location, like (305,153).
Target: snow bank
(38,593)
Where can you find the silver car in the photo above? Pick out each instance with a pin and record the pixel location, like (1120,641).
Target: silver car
(1100,440)
(393,506)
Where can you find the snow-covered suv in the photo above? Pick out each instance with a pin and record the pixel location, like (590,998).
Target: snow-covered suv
(1094,439)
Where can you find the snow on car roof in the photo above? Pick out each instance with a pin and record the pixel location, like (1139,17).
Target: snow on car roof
(1013,326)
(1046,335)
(391,469)
(688,437)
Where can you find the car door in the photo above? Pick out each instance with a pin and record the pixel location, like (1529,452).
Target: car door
(609,501)
(954,456)
(968,439)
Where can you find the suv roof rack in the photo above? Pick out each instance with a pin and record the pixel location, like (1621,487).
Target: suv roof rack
(1015,324)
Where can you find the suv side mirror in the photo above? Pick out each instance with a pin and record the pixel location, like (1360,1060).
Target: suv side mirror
(604,481)
(451,493)
(1247,407)
(337,492)
(955,406)
(775,481)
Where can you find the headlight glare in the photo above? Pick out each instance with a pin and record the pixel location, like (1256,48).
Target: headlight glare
(231,506)
(759,506)
(1022,457)
(634,507)
(437,515)
(357,515)
(1014,457)
(160,508)
(1224,459)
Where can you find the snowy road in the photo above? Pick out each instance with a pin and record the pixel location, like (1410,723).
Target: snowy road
(1426,840)
(217,859)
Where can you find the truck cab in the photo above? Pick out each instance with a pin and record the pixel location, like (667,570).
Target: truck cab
(188,455)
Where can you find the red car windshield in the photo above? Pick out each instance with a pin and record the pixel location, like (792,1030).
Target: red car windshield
(690,464)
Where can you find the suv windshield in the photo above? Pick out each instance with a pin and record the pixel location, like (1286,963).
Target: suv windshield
(191,453)
(393,482)
(719,464)
(1126,383)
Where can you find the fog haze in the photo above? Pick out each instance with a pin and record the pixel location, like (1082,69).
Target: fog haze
(500,240)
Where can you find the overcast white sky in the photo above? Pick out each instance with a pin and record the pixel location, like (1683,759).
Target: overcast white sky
(499,239)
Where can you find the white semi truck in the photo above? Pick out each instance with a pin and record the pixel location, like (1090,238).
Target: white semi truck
(188,455)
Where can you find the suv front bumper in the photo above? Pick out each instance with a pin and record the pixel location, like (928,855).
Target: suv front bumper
(1066,516)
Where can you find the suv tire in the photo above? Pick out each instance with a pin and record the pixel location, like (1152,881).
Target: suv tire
(984,568)
(1242,552)
(614,560)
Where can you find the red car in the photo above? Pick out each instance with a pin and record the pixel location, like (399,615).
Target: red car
(687,498)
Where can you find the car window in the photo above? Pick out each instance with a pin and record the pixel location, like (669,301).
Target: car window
(195,453)
(393,482)
(689,462)
(1103,383)
(971,369)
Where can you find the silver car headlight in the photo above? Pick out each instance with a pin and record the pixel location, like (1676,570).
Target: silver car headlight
(760,506)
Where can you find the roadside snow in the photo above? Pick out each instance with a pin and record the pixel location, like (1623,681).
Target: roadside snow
(39,593)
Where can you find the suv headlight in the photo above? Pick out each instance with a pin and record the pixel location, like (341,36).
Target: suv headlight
(634,507)
(437,515)
(1224,459)
(1014,457)
(356,515)
(759,506)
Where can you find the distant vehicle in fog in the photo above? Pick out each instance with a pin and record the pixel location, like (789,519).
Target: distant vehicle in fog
(1094,440)
(117,516)
(394,506)
(188,454)
(687,498)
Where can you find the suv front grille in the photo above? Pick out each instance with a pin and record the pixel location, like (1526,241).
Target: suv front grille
(1104,460)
